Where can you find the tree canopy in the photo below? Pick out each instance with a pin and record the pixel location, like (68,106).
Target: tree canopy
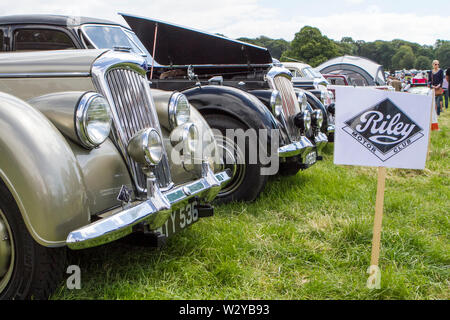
(312,47)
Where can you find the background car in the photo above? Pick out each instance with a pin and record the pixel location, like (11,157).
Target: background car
(86,161)
(191,60)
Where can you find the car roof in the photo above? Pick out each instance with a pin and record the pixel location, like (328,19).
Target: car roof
(57,20)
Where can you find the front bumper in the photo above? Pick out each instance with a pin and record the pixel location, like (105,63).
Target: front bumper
(321,140)
(302,147)
(155,211)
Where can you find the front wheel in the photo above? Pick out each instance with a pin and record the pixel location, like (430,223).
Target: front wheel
(247,182)
(27,269)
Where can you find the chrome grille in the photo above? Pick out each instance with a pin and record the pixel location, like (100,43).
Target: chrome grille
(290,103)
(134,111)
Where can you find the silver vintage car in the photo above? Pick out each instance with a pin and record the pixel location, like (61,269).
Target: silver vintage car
(90,154)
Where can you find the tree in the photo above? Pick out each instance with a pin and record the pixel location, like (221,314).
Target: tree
(347,46)
(422,63)
(443,53)
(404,58)
(310,46)
(276,47)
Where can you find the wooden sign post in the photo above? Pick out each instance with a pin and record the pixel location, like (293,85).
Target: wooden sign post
(374,281)
(381,129)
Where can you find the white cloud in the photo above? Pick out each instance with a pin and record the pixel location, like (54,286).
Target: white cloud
(353,2)
(236,18)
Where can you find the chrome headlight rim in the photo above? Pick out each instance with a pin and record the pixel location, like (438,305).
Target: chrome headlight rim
(174,116)
(276,103)
(307,120)
(302,101)
(187,135)
(323,96)
(153,140)
(146,147)
(317,118)
(81,120)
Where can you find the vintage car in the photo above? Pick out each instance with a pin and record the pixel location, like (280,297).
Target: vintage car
(306,78)
(233,84)
(260,94)
(89,154)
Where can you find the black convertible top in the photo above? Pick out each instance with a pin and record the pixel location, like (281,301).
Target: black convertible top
(57,20)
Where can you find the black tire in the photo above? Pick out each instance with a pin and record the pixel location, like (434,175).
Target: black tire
(36,271)
(248,183)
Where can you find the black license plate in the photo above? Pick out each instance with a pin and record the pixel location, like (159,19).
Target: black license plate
(180,219)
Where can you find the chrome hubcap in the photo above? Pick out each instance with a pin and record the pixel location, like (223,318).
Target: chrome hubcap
(6,252)
(233,159)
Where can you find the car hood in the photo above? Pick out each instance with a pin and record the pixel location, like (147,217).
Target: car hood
(48,62)
(176,45)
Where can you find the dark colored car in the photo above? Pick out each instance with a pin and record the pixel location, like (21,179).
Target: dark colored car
(234,85)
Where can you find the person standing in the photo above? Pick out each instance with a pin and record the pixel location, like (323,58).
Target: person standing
(435,80)
(445,87)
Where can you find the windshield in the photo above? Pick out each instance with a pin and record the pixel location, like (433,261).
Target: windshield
(115,37)
(380,78)
(310,72)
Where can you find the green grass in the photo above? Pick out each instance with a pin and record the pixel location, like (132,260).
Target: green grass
(307,237)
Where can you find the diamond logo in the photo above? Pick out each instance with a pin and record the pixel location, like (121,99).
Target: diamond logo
(384,130)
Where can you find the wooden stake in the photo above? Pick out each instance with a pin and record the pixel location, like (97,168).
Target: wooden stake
(375,274)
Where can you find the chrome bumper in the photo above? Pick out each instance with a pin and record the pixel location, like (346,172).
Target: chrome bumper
(321,141)
(330,128)
(155,211)
(302,147)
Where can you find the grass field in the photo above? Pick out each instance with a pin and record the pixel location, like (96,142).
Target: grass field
(307,237)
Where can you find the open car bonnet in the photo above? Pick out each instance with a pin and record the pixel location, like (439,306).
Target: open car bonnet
(176,45)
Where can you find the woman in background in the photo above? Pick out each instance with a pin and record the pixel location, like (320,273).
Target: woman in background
(435,79)
(445,87)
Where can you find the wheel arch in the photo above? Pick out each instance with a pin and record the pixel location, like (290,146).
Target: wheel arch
(41,172)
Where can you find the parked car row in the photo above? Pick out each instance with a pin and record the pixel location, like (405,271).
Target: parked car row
(101,138)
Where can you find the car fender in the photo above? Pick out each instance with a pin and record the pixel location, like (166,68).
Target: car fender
(234,102)
(41,172)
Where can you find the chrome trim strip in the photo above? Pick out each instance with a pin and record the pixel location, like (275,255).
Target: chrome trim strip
(294,149)
(46,75)
(121,224)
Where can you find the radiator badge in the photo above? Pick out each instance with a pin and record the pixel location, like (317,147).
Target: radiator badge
(384,130)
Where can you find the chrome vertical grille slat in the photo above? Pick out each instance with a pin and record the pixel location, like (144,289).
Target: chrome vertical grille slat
(134,111)
(290,104)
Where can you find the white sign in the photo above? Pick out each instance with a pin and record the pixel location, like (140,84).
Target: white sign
(381,128)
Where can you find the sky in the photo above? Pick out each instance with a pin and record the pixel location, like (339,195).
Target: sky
(417,21)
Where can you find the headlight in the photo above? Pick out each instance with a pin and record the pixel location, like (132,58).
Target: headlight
(323,96)
(276,103)
(307,120)
(186,137)
(302,101)
(179,110)
(146,147)
(303,120)
(93,120)
(317,118)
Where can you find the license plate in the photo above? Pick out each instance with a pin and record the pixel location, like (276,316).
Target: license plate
(180,219)
(311,158)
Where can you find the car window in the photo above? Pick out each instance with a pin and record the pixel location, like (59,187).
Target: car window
(294,73)
(41,39)
(1,41)
(337,81)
